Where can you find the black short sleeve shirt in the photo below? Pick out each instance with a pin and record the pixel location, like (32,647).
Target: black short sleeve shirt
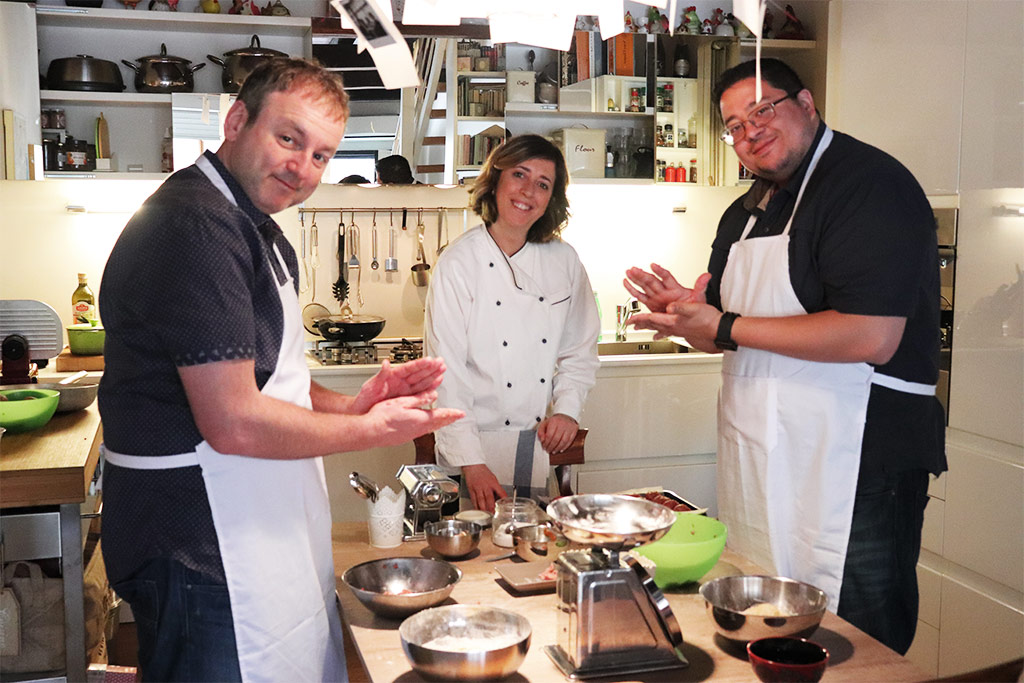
(863,242)
(192,279)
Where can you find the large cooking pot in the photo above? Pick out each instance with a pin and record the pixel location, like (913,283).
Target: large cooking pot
(349,328)
(83,72)
(163,73)
(238,64)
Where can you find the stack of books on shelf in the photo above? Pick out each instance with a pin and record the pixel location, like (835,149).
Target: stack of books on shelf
(475,148)
(477,99)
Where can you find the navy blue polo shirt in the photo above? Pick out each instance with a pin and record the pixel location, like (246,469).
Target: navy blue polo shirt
(191,280)
(862,242)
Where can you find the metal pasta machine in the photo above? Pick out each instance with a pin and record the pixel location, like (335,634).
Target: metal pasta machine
(429,494)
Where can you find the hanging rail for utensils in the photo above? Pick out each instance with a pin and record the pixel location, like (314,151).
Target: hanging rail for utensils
(379,209)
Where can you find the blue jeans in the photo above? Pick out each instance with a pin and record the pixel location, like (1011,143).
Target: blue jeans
(184,624)
(879,592)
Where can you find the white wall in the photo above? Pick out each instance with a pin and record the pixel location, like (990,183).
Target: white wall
(613,227)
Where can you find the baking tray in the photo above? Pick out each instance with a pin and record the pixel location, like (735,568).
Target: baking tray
(672,495)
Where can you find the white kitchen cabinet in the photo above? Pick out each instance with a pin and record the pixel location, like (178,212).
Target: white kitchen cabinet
(896,79)
(137,121)
(978,629)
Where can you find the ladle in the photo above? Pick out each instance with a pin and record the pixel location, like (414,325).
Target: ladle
(374,264)
(364,486)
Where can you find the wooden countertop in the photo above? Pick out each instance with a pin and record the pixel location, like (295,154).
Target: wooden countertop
(51,465)
(855,656)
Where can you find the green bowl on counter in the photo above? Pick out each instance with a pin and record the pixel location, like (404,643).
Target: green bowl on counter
(22,410)
(688,551)
(86,339)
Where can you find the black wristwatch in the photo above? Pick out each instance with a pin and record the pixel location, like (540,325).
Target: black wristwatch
(724,340)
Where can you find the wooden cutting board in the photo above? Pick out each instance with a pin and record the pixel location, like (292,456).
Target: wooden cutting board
(68,362)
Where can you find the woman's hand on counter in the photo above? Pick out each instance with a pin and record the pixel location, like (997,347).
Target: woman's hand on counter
(557,432)
(483,486)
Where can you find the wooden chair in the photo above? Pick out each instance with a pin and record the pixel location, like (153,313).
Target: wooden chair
(573,455)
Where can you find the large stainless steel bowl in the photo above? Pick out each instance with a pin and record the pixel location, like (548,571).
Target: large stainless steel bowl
(465,642)
(798,606)
(610,521)
(396,587)
(453,538)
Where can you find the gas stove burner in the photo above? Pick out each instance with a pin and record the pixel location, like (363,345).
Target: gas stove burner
(367,352)
(406,351)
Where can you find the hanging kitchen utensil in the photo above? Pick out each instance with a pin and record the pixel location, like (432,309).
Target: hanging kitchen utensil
(312,312)
(442,218)
(420,270)
(391,263)
(374,264)
(340,287)
(314,247)
(304,285)
(353,262)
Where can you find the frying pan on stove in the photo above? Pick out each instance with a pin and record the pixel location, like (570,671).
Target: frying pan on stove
(341,328)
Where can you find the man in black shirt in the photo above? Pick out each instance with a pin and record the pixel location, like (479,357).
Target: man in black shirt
(217,527)
(823,292)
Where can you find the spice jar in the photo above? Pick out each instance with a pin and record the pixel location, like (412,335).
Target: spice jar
(510,513)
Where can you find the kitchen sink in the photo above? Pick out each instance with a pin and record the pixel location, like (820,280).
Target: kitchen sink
(626,348)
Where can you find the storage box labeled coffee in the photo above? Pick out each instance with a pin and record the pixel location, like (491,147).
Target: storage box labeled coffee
(584,150)
(520,86)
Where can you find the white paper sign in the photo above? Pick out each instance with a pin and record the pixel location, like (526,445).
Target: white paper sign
(377,33)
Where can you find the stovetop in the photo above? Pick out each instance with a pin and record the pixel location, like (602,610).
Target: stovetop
(370,352)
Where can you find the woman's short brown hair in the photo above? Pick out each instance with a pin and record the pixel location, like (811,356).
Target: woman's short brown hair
(509,154)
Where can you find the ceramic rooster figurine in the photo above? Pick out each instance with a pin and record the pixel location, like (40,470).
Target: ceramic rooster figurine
(210,6)
(692,21)
(792,28)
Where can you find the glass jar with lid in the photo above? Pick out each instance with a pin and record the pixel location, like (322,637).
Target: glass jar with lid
(510,513)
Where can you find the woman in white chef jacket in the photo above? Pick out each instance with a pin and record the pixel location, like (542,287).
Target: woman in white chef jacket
(511,311)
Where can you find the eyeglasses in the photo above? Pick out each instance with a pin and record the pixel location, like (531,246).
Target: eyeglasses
(759,117)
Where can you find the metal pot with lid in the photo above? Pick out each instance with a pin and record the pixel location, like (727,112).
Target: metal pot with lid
(163,73)
(238,64)
(84,72)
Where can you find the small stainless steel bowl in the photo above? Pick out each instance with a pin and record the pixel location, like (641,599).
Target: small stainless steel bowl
(465,642)
(452,537)
(800,607)
(539,542)
(396,587)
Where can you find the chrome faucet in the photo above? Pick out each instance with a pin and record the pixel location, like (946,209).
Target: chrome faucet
(622,315)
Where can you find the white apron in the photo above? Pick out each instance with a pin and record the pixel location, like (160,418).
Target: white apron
(273,524)
(790,430)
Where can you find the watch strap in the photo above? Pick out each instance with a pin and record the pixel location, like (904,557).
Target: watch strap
(724,340)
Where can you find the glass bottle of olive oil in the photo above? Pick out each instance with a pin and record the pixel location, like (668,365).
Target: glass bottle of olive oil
(83,302)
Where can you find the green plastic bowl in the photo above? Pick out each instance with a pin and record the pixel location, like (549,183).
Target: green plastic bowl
(24,409)
(688,551)
(86,340)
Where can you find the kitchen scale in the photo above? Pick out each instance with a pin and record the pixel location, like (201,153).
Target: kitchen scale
(613,619)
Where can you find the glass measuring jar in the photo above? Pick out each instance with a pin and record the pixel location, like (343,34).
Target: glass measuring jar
(510,513)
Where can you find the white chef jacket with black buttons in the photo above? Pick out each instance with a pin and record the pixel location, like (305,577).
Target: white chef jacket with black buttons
(519,337)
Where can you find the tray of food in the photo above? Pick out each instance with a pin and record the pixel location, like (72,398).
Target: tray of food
(669,499)
(529,577)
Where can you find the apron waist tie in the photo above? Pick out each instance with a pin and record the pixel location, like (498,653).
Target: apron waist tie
(150,462)
(897,384)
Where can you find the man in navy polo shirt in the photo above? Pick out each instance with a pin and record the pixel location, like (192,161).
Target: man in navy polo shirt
(823,294)
(217,528)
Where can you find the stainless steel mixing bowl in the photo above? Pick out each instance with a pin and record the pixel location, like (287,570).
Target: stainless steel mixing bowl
(396,587)
(465,642)
(452,538)
(800,606)
(539,542)
(610,521)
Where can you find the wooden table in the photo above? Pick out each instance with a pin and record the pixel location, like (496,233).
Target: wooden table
(855,656)
(45,476)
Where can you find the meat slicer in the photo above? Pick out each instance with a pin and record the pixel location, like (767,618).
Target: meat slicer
(429,494)
(613,619)
(30,334)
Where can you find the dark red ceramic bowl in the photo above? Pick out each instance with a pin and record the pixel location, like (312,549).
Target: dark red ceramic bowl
(785,660)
